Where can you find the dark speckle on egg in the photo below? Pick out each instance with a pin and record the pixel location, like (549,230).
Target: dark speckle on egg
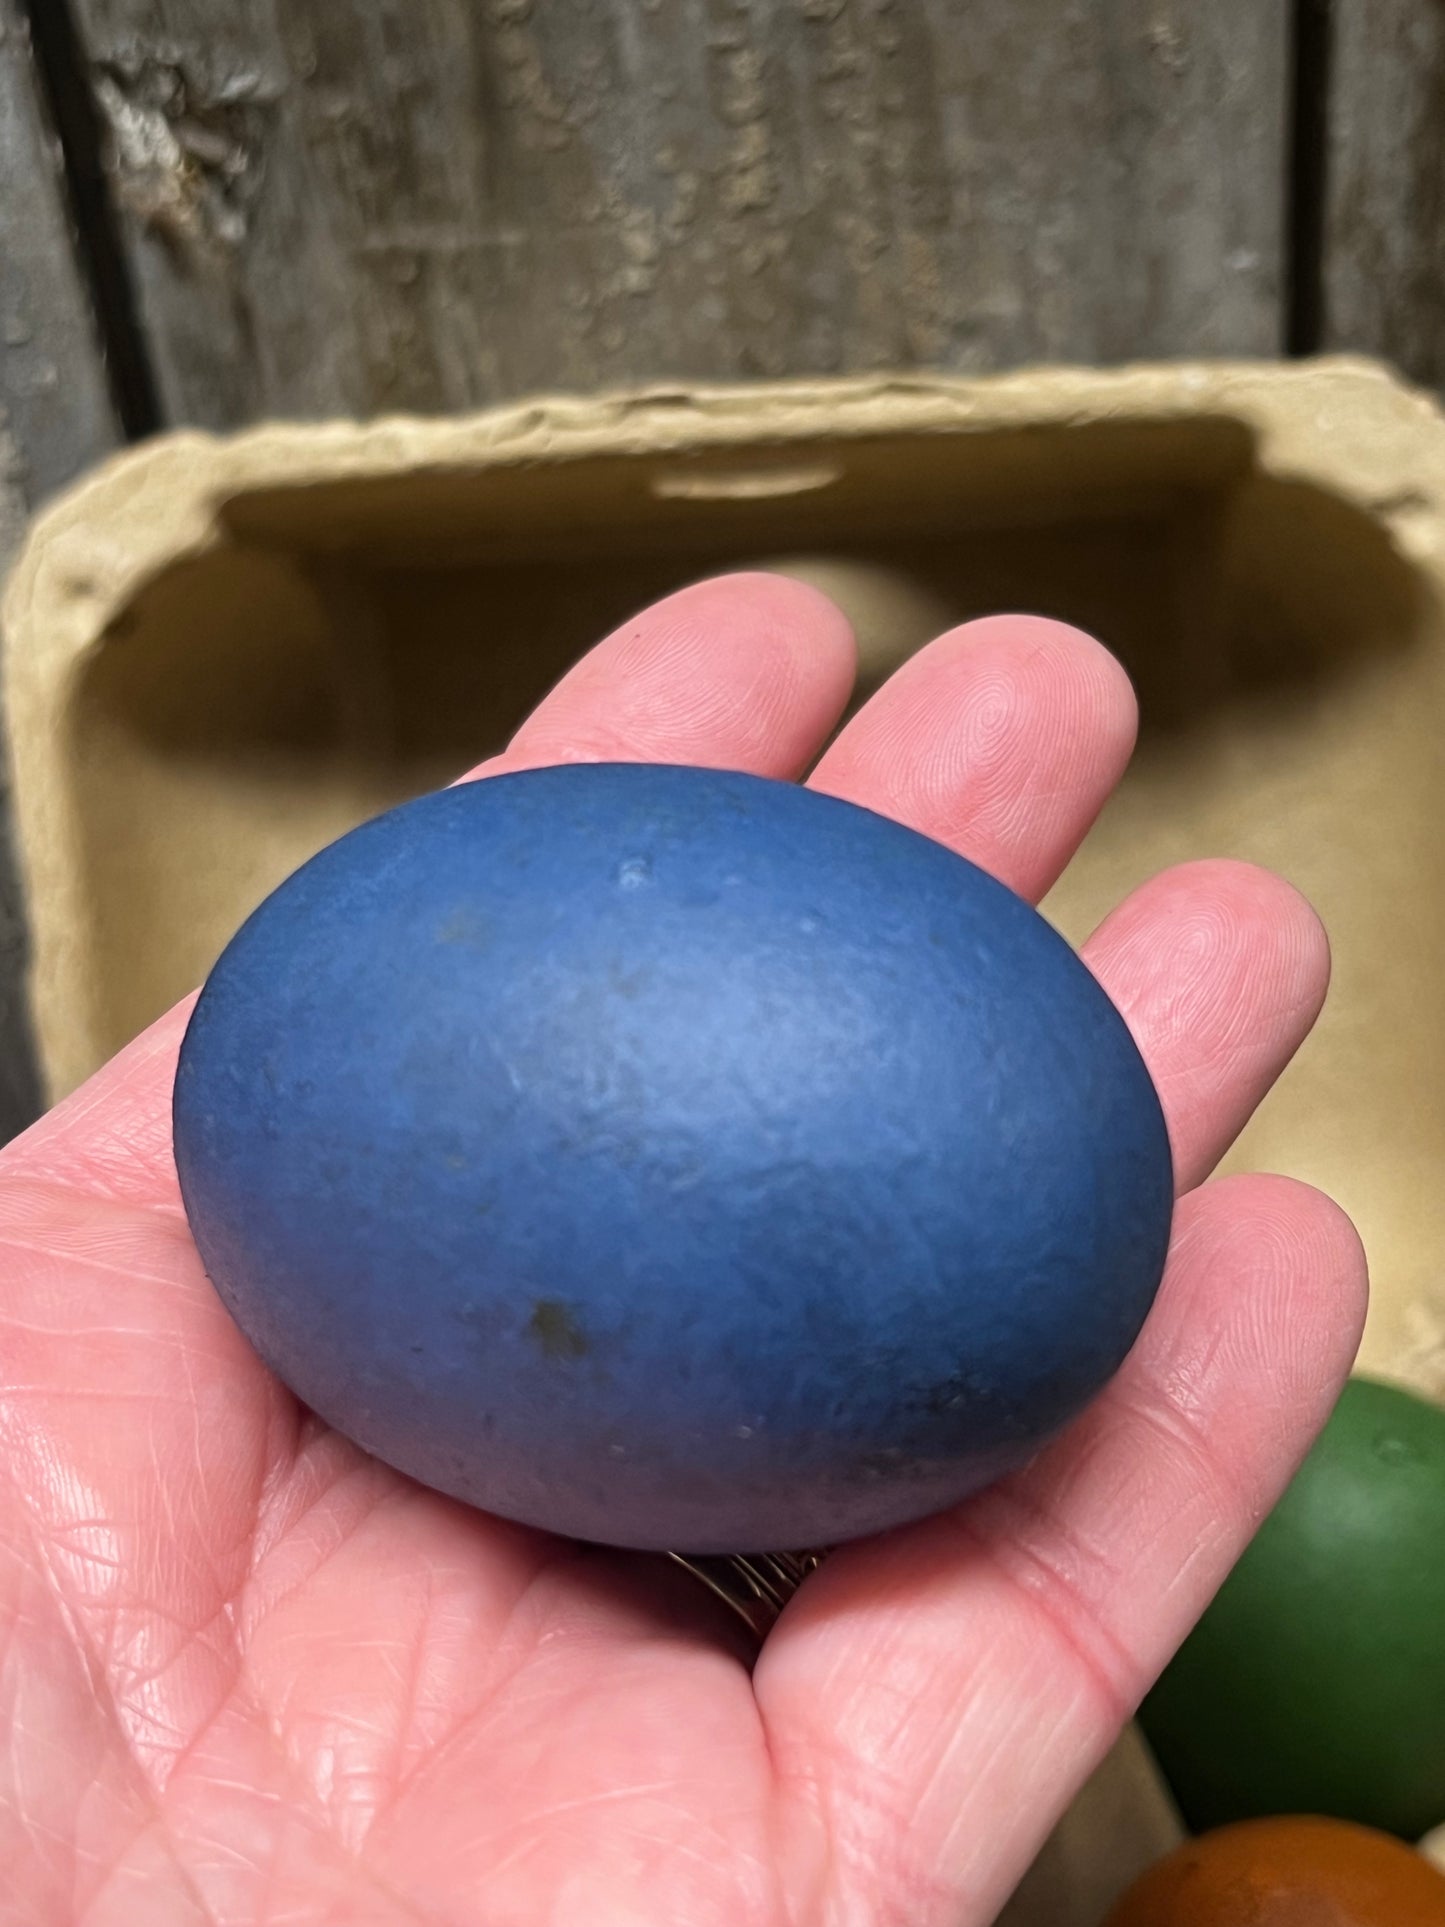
(556,1330)
(463,925)
(671,1158)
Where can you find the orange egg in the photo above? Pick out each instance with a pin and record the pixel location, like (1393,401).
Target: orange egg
(1287,1873)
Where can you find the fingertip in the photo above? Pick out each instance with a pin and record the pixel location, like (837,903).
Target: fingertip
(1271,1212)
(1219,968)
(1092,695)
(1261,899)
(1322,1242)
(801,625)
(1209,946)
(1267,1285)
(786,623)
(1061,643)
(1275,923)
(742,671)
(797,610)
(1002,738)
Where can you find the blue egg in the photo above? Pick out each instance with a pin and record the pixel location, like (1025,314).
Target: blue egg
(671,1158)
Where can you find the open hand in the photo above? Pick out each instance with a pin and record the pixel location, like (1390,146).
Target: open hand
(250,1675)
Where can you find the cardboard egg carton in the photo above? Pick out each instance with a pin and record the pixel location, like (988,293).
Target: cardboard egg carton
(221,653)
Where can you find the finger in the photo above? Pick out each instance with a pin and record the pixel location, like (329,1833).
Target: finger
(935,1698)
(1220,970)
(745,672)
(1002,739)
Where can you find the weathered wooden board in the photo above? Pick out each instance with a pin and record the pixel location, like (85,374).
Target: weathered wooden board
(52,382)
(1384,252)
(55,418)
(359,205)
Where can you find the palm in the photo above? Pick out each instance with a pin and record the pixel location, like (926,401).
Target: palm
(327,1693)
(251,1675)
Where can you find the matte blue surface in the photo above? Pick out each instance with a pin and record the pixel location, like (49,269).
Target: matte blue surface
(671,1158)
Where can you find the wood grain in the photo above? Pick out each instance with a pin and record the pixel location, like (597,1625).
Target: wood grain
(346,206)
(55,418)
(1384,256)
(52,382)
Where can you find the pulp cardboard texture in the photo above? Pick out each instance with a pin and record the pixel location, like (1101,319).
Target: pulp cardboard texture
(222,653)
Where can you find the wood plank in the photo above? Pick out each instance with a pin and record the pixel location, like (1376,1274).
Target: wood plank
(53,390)
(1384,238)
(55,418)
(360,205)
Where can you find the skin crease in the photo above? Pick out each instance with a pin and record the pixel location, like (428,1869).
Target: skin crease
(248,1675)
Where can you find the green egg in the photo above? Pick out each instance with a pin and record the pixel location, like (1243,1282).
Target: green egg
(1315,1682)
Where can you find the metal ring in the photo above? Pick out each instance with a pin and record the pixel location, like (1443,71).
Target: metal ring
(755,1586)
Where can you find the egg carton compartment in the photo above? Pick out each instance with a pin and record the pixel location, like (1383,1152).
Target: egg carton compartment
(223,653)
